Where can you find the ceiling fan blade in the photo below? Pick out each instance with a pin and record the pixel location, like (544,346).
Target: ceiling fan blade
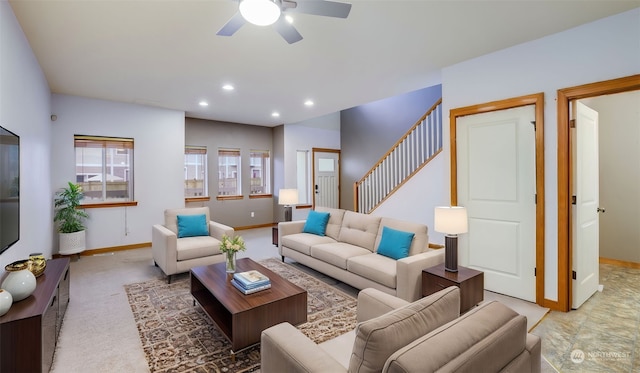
(322,8)
(287,31)
(232,25)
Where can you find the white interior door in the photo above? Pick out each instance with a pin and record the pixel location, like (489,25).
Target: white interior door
(496,183)
(326,185)
(585,219)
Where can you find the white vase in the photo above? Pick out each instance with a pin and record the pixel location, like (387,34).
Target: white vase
(5,301)
(20,284)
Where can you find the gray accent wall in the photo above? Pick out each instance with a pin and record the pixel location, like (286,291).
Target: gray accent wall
(368,131)
(214,135)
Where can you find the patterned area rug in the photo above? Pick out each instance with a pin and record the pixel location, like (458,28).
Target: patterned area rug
(179,337)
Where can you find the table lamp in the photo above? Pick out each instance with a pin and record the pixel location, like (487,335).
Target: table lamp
(287,198)
(451,220)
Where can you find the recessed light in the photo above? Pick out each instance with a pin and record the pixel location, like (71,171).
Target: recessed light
(289,19)
(308,103)
(228,87)
(275,114)
(203,103)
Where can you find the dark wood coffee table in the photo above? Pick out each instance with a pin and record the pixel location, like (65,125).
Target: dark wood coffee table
(242,318)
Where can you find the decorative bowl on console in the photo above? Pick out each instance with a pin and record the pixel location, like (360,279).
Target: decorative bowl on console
(38,264)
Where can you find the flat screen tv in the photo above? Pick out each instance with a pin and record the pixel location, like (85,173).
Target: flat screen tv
(9,189)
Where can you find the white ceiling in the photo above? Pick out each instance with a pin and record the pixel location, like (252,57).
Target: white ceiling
(165,52)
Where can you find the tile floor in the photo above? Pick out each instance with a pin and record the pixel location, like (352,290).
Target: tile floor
(603,335)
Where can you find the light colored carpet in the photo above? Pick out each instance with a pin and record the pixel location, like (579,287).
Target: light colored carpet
(532,311)
(99,332)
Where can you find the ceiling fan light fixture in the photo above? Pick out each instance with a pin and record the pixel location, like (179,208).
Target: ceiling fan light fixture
(260,12)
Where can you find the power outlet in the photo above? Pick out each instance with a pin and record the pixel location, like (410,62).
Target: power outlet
(253,214)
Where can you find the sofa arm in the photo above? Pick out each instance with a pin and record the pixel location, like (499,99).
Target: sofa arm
(164,248)
(289,227)
(409,273)
(533,346)
(283,348)
(217,230)
(373,303)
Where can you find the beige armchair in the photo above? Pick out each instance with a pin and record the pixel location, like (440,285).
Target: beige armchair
(394,336)
(177,255)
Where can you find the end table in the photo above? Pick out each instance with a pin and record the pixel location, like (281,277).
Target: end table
(470,282)
(274,235)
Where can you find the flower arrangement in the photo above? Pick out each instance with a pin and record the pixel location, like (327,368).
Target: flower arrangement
(230,246)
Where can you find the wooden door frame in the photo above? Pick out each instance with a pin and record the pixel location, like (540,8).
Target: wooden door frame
(313,173)
(565,184)
(534,99)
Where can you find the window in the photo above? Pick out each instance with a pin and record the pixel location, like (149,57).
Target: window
(104,168)
(302,176)
(195,171)
(229,172)
(260,172)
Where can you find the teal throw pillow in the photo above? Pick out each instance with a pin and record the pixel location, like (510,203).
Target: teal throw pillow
(394,243)
(316,223)
(192,225)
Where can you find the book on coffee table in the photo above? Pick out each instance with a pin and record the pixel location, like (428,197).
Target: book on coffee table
(251,290)
(251,279)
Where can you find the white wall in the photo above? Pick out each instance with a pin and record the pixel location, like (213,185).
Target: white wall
(417,198)
(321,132)
(25,110)
(158,163)
(602,50)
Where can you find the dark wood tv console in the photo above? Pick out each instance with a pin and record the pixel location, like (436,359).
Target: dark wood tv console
(29,331)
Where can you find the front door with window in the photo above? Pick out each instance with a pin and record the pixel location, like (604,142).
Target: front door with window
(326,174)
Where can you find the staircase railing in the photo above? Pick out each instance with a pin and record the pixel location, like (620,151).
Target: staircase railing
(413,151)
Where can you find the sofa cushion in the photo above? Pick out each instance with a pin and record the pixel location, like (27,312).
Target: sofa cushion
(374,267)
(359,229)
(302,242)
(171,216)
(395,244)
(420,241)
(316,223)
(379,338)
(197,247)
(335,221)
(337,253)
(486,339)
(192,225)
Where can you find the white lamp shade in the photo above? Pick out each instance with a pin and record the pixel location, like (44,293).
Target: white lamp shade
(260,12)
(288,197)
(451,220)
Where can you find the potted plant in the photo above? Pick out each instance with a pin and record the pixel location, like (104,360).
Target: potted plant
(70,219)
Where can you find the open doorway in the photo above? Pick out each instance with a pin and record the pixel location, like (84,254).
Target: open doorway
(619,137)
(565,187)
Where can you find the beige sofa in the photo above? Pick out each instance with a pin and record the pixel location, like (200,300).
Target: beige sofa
(394,336)
(177,255)
(348,252)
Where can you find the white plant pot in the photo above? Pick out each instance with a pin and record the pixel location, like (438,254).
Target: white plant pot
(72,243)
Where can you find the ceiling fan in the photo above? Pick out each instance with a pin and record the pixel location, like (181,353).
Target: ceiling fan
(271,12)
